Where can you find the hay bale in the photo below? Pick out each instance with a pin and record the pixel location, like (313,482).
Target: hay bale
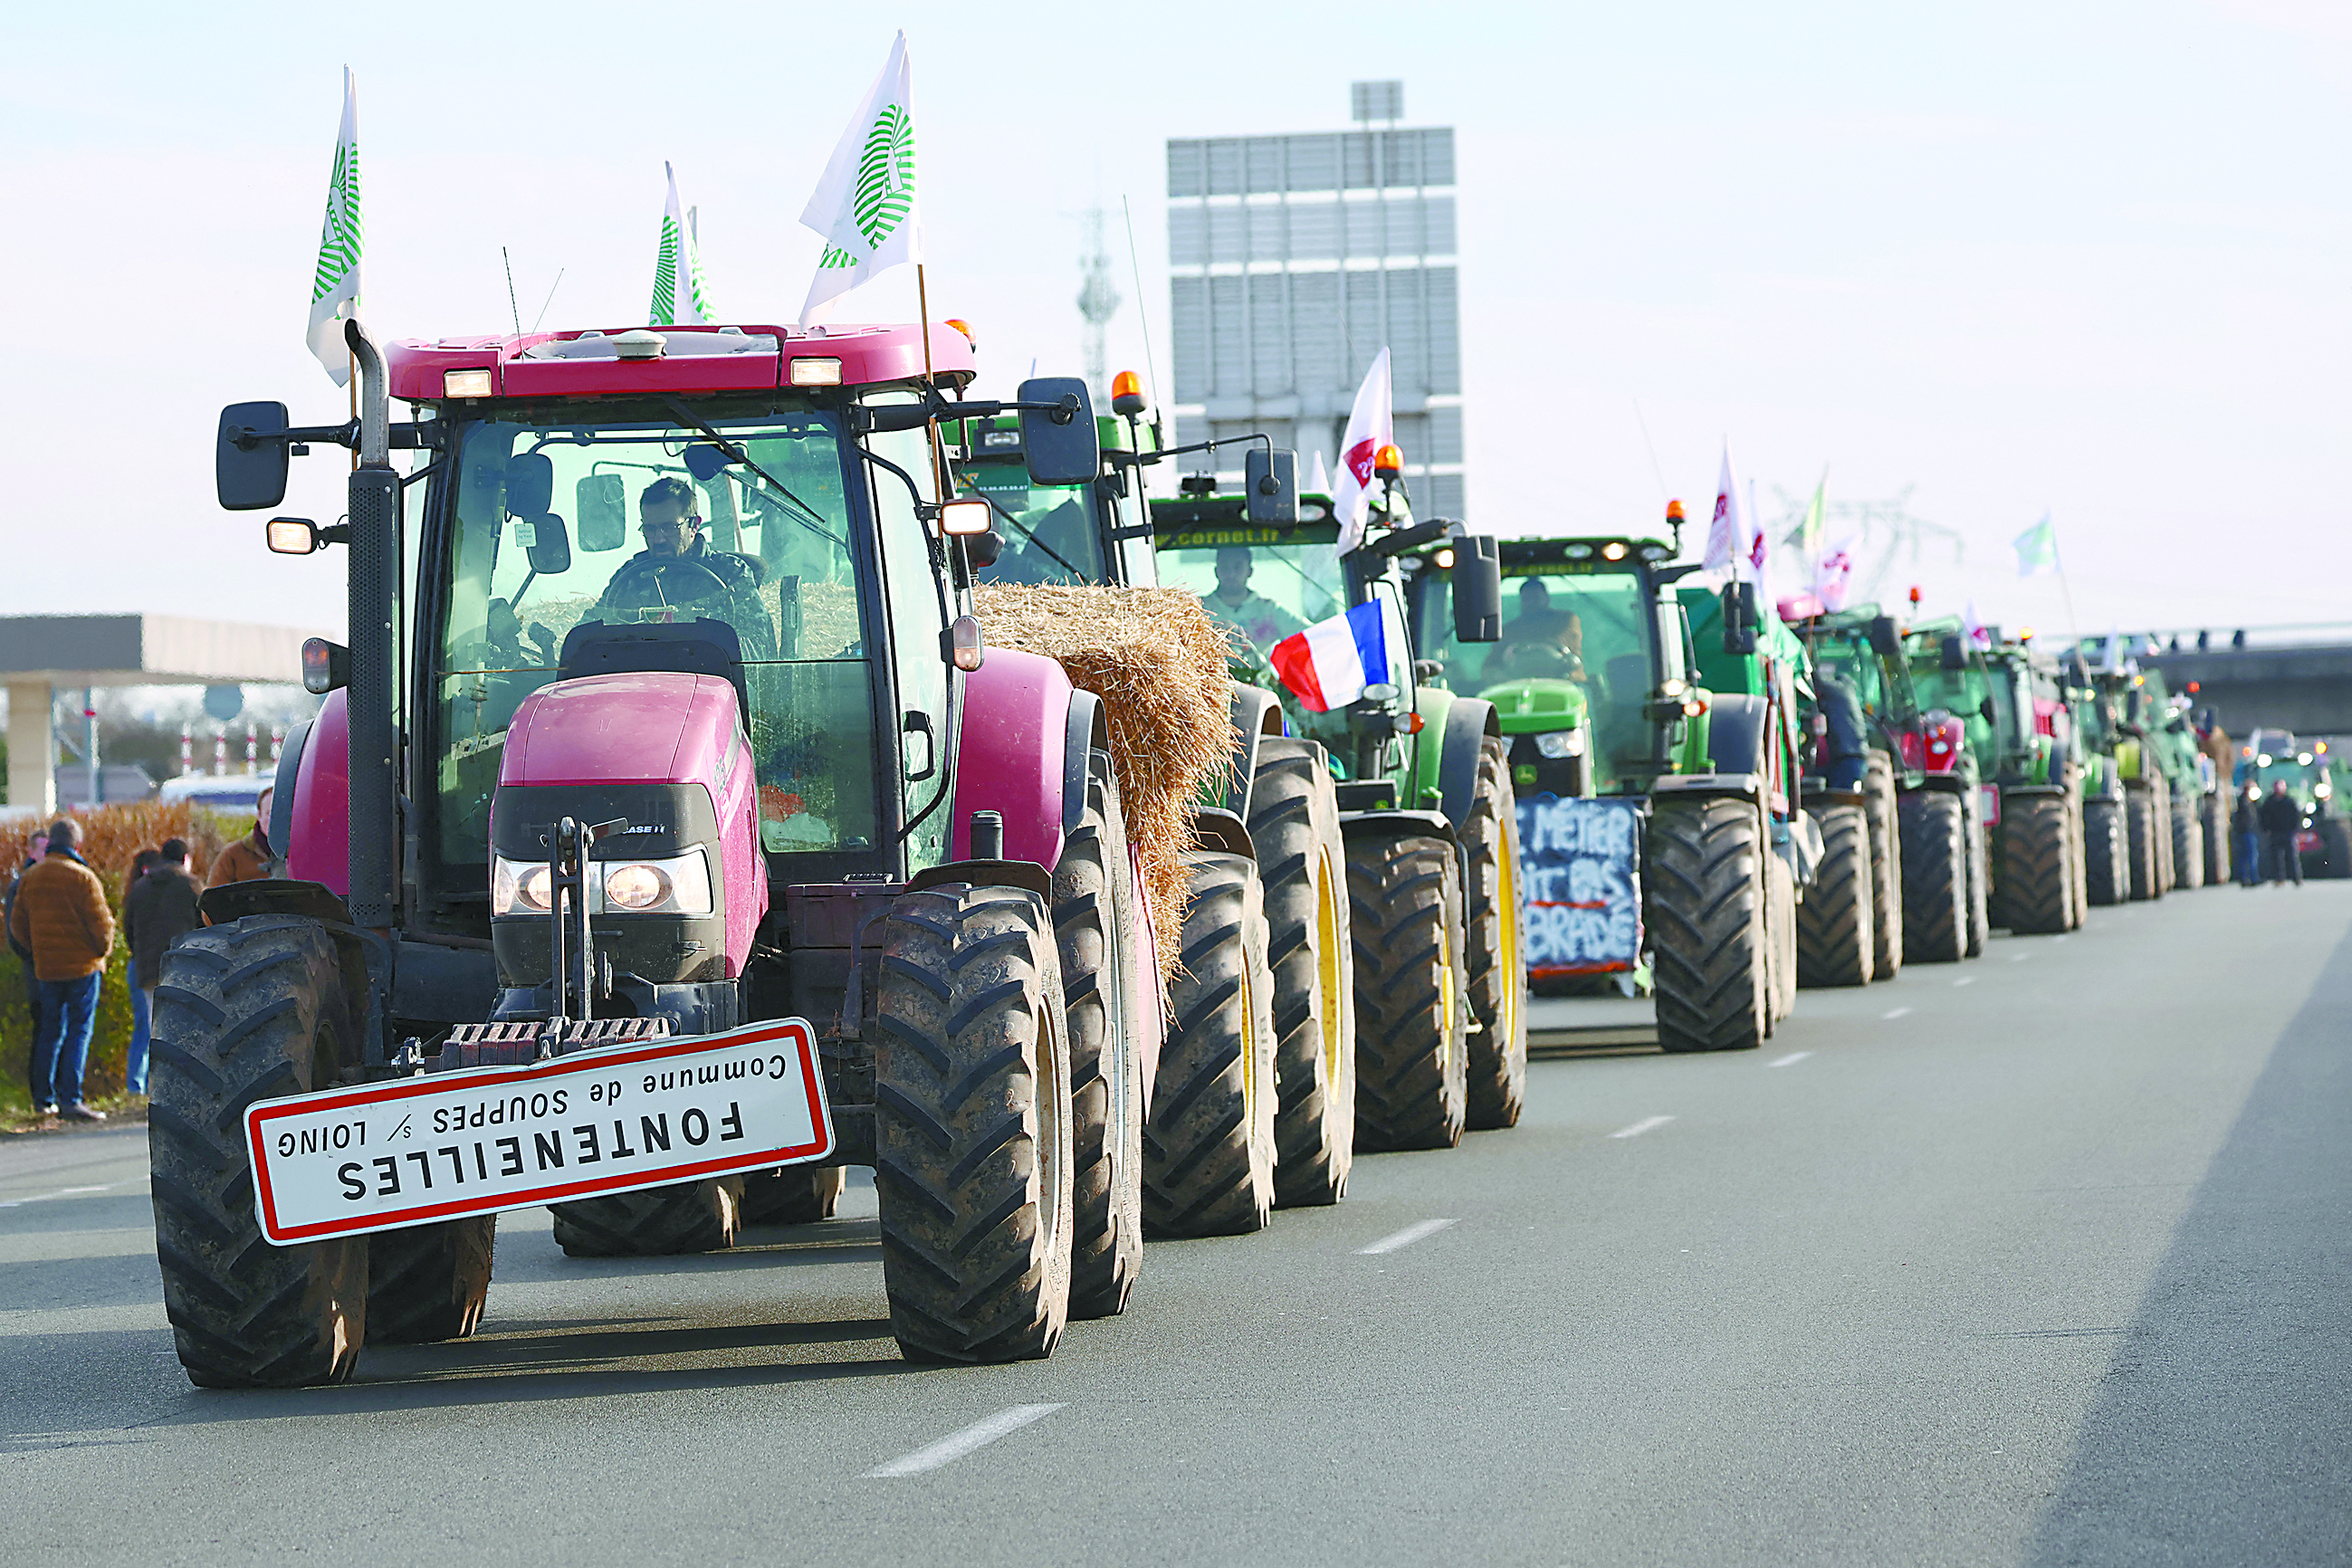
(1158,662)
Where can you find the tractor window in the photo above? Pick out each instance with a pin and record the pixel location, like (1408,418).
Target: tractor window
(1262,583)
(554,523)
(1591,628)
(1049,530)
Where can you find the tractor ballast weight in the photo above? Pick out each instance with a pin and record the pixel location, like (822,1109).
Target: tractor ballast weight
(754,786)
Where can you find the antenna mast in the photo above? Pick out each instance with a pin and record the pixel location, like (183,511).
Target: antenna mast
(1099,301)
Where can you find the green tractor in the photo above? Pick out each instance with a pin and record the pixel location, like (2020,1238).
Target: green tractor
(1423,793)
(2167,743)
(2315,778)
(1946,849)
(1653,741)
(2107,870)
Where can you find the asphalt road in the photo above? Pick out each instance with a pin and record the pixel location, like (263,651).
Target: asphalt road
(2042,1260)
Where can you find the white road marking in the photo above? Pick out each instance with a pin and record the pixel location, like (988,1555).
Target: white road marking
(1645,1125)
(956,1445)
(2019,957)
(60,1193)
(1406,1237)
(1789,1060)
(1898,1013)
(1965,980)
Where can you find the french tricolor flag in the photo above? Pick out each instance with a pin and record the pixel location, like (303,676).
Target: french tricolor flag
(1330,664)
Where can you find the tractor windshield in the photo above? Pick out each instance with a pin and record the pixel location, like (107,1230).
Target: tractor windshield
(1049,530)
(1564,621)
(1262,583)
(551,524)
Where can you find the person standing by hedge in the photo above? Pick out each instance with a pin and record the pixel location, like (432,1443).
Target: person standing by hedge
(247,859)
(159,910)
(33,853)
(61,915)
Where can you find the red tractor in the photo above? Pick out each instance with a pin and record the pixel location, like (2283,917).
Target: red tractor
(657,887)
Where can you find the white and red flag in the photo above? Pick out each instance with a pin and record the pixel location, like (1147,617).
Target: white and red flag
(1371,425)
(1972,630)
(1833,575)
(1728,540)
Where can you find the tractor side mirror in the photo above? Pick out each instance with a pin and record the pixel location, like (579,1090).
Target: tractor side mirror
(1271,477)
(1739,621)
(249,465)
(1477,589)
(602,504)
(983,549)
(531,484)
(705,462)
(1061,441)
(1953,656)
(1984,706)
(548,545)
(1884,640)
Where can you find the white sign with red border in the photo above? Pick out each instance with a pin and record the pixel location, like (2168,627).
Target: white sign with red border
(442,1146)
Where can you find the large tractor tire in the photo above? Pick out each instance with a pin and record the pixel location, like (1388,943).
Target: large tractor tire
(2106,853)
(1935,878)
(2037,864)
(658,1222)
(2143,825)
(1705,891)
(972,1149)
(1979,867)
(2334,845)
(1833,924)
(2213,816)
(1094,931)
(1404,893)
(2187,845)
(254,1009)
(1780,907)
(1302,867)
(1885,869)
(429,1283)
(1498,1054)
(2077,864)
(796,1195)
(1208,1149)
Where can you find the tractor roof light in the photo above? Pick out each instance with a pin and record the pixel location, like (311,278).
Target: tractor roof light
(963,519)
(2263,760)
(466,383)
(1126,395)
(964,327)
(1445,559)
(1388,462)
(2303,758)
(1674,512)
(1578,552)
(292,536)
(1615,550)
(815,369)
(639,342)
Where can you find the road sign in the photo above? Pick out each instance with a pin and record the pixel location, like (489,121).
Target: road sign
(441,1146)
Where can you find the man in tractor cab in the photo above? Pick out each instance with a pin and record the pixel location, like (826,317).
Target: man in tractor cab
(677,569)
(1254,615)
(1541,641)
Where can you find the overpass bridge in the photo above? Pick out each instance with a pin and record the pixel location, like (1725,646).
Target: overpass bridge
(2305,687)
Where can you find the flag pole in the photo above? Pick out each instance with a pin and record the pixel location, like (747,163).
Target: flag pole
(352,384)
(938,453)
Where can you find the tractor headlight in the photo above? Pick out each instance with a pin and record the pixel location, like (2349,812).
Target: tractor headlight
(1558,743)
(679,884)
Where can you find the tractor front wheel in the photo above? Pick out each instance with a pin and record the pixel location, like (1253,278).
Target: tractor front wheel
(1498,1071)
(796,1195)
(1404,894)
(1834,937)
(1885,869)
(1094,931)
(1302,859)
(429,1283)
(2142,825)
(2187,845)
(1935,878)
(658,1222)
(2106,853)
(2036,870)
(254,1009)
(1705,893)
(972,1126)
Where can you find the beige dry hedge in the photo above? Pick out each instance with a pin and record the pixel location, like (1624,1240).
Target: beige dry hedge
(1158,662)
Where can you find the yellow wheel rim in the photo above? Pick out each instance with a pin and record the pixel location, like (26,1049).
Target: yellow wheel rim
(1506,957)
(1445,1017)
(1328,966)
(1249,1052)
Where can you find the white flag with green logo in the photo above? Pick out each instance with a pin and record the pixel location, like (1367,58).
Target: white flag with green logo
(865,207)
(679,297)
(335,291)
(2037,548)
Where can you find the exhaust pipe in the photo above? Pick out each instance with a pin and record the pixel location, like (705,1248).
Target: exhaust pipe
(375,615)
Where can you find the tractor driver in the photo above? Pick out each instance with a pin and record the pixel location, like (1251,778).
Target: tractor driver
(678,568)
(1541,640)
(1254,615)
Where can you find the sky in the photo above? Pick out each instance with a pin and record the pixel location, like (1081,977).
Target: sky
(1993,260)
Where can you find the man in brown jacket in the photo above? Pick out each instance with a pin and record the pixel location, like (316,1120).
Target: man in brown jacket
(61,915)
(247,859)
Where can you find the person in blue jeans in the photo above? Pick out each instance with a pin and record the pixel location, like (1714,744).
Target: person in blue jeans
(134,1056)
(159,910)
(60,914)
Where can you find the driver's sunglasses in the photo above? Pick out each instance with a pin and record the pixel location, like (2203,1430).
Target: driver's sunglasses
(682,525)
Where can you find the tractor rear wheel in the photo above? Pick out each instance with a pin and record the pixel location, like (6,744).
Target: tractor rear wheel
(2036,872)
(1935,878)
(1833,924)
(2187,845)
(2213,815)
(972,1126)
(2142,826)
(1094,930)
(658,1222)
(2334,845)
(251,1010)
(2106,859)
(1705,891)
(1780,907)
(1885,869)
(796,1195)
(429,1283)
(1498,1056)
(1979,867)
(1208,1149)
(2078,889)
(1302,866)
(1404,893)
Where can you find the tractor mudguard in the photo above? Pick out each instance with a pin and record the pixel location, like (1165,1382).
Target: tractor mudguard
(1468,721)
(1022,753)
(1025,874)
(1256,713)
(1751,785)
(317,845)
(1224,832)
(1360,823)
(2024,790)
(1736,733)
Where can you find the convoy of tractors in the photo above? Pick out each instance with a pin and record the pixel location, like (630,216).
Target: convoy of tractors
(858,829)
